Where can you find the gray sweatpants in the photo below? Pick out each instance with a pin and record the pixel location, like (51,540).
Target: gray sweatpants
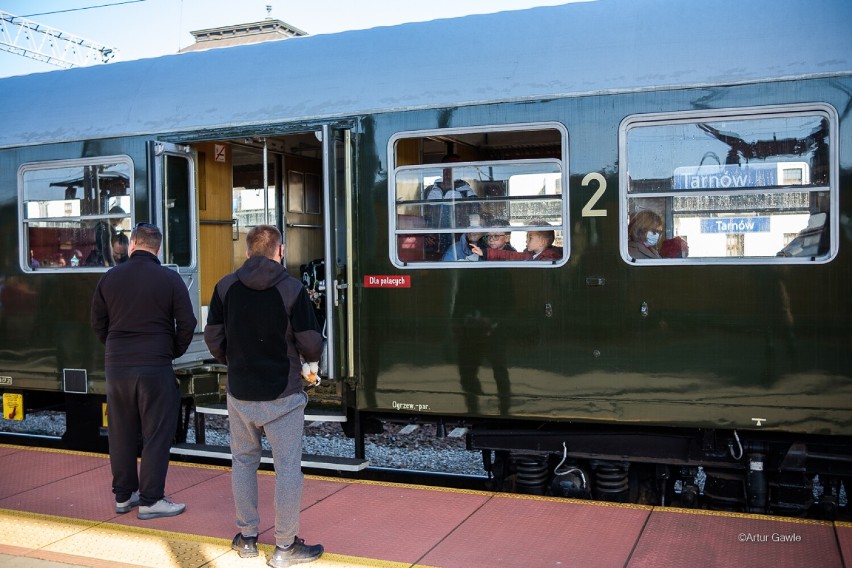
(283,422)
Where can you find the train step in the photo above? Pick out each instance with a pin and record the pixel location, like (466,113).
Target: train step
(311,461)
(311,414)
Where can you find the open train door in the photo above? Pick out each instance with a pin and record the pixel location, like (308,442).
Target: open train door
(338,245)
(173,210)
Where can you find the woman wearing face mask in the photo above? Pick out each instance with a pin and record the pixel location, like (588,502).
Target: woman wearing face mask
(644,232)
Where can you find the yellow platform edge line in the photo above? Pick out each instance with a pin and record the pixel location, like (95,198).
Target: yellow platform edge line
(328,558)
(57,558)
(750,516)
(54,451)
(106,456)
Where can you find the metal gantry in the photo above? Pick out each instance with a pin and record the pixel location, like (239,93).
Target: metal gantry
(50,45)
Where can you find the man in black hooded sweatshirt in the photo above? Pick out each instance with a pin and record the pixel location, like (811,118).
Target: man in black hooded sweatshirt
(261,324)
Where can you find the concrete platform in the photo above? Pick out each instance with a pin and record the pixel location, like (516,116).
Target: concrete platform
(56,508)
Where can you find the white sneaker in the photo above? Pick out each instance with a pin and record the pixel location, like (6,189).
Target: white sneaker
(125,506)
(162,508)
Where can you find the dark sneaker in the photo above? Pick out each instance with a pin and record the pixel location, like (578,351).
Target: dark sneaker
(125,506)
(162,508)
(296,553)
(246,546)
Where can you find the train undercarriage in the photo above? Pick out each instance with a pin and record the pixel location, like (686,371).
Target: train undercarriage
(745,472)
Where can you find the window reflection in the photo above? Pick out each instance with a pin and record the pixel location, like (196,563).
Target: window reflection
(464,186)
(743,187)
(73,212)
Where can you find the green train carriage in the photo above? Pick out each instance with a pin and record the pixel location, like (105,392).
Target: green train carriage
(720,379)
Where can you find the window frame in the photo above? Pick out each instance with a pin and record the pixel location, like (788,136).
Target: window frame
(24,222)
(393,170)
(743,113)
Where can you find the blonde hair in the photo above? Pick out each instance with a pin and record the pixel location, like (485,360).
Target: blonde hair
(548,236)
(263,240)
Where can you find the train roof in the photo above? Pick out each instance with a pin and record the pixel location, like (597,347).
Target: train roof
(603,46)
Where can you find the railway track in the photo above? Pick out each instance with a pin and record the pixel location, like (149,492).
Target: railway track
(404,454)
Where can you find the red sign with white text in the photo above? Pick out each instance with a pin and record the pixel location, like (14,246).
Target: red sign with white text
(398,281)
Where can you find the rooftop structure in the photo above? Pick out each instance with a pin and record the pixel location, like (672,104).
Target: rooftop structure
(255,32)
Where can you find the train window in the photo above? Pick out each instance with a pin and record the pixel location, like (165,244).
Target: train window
(75,213)
(476,196)
(177,193)
(753,185)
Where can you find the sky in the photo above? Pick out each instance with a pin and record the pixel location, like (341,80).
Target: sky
(148,28)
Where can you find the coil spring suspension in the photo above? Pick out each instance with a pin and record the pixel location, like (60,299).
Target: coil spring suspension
(532,473)
(611,481)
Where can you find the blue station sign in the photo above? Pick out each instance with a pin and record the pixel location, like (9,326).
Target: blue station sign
(725,177)
(735,225)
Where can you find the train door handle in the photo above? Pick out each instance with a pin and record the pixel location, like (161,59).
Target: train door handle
(339,289)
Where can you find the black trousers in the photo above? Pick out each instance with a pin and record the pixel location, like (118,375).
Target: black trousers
(142,403)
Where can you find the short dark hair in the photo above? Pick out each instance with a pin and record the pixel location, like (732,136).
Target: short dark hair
(147,235)
(263,240)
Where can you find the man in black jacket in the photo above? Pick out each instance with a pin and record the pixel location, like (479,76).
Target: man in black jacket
(143,314)
(261,324)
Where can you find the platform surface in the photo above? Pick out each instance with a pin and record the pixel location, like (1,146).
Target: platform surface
(56,509)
